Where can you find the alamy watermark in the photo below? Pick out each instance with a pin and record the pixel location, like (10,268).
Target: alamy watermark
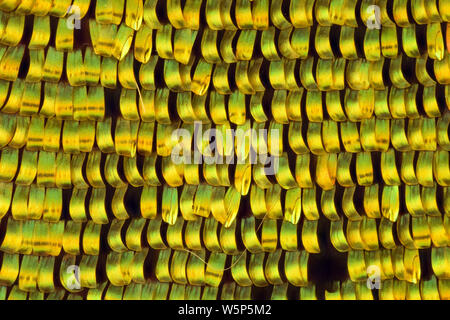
(73,282)
(373,277)
(230,146)
(374,20)
(74,18)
